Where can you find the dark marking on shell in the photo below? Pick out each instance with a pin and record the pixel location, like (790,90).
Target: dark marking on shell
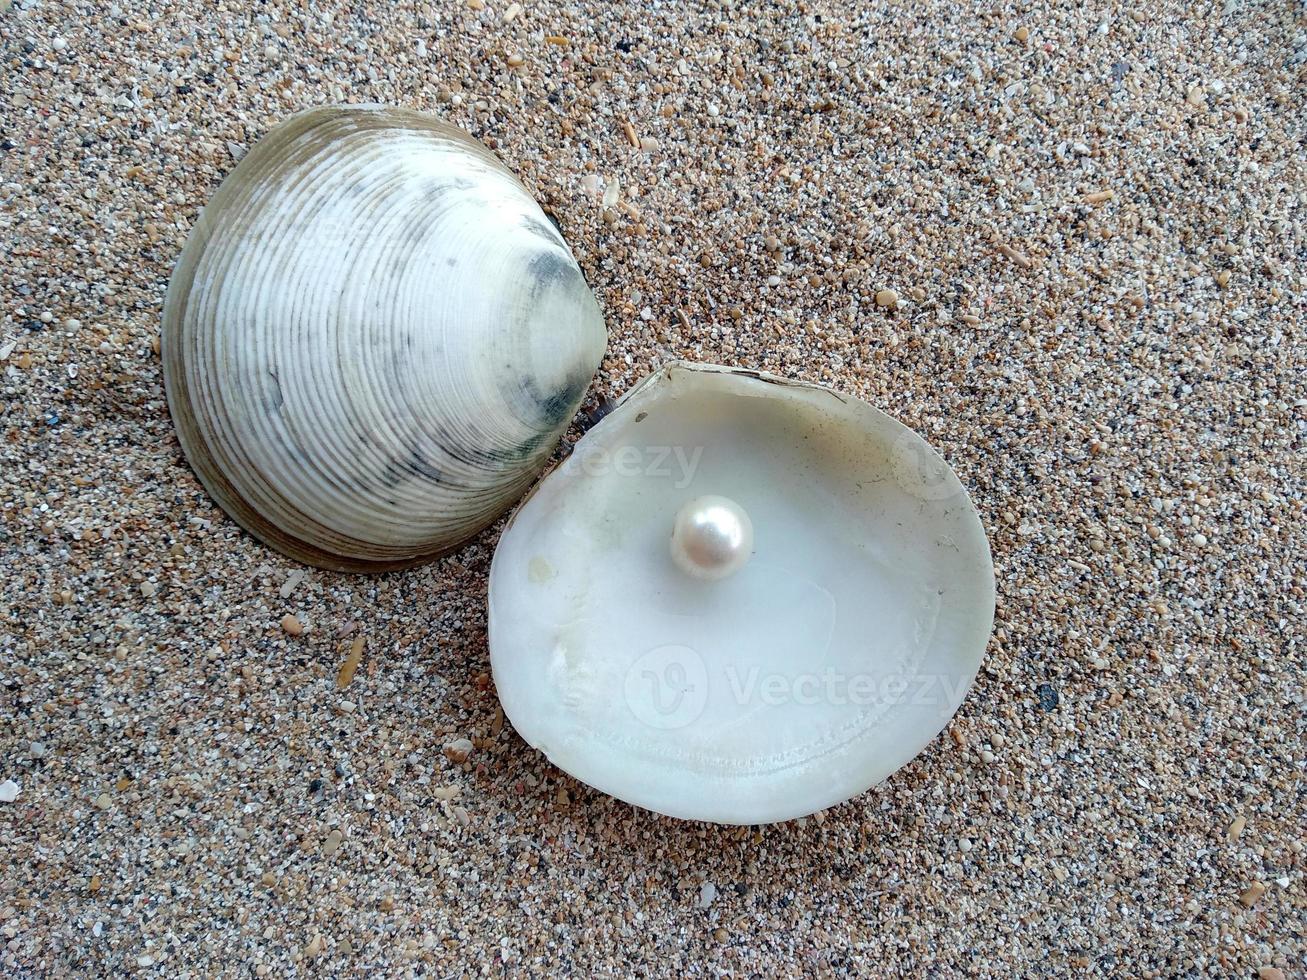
(278,399)
(549,269)
(549,232)
(423,467)
(555,407)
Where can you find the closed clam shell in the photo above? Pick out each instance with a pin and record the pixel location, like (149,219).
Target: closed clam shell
(373,339)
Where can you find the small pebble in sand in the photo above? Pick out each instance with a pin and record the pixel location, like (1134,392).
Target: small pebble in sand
(1236,828)
(459,750)
(1016,257)
(332,843)
(707,894)
(887,298)
(8,791)
(1252,894)
(290,624)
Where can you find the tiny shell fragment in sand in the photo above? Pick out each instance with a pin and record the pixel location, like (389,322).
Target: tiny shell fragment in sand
(351,664)
(292,582)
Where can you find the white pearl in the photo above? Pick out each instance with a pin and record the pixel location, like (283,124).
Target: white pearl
(712,538)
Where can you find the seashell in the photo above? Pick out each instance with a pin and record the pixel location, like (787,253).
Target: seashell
(740,599)
(373,339)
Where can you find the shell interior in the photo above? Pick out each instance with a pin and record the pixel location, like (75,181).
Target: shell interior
(828,661)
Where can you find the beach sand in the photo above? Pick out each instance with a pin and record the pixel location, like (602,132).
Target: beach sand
(1087,225)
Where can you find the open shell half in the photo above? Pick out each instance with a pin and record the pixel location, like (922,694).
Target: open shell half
(781,681)
(373,338)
